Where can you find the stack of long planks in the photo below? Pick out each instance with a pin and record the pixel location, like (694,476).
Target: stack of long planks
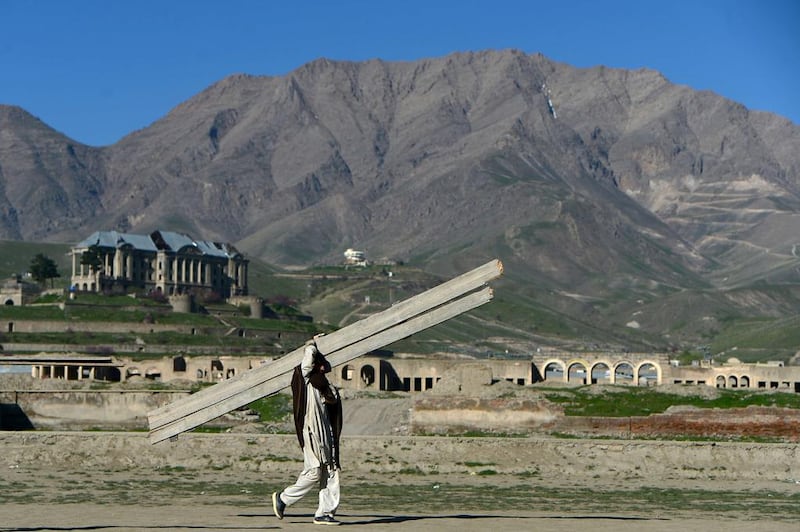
(403,319)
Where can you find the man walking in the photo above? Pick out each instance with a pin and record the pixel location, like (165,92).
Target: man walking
(318,422)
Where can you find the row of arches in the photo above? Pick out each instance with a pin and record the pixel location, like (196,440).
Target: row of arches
(644,373)
(385,377)
(732,381)
(366,375)
(215,372)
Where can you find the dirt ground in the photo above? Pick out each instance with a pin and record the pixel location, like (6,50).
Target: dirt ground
(227,518)
(118,481)
(222,482)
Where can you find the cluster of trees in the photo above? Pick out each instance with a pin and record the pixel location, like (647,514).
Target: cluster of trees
(93,258)
(43,268)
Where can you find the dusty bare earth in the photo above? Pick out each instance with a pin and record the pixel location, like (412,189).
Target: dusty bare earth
(222,482)
(118,481)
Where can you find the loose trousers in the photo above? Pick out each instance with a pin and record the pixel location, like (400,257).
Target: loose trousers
(313,474)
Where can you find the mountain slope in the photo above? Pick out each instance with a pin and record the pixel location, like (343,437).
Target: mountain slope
(597,187)
(48,183)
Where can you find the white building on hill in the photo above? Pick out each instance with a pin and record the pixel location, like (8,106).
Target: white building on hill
(354,257)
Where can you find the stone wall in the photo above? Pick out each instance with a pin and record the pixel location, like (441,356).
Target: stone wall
(80,409)
(438,415)
(756,422)
(451,414)
(60,326)
(156,349)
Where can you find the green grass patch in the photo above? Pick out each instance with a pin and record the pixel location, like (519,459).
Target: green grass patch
(274,408)
(16,257)
(103,342)
(411,471)
(209,429)
(49,313)
(633,401)
(115,301)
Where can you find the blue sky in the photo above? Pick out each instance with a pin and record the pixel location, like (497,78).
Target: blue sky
(97,70)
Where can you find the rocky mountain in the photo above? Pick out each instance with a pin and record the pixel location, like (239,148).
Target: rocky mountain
(613,197)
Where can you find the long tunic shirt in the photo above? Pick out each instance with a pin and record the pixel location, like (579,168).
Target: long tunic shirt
(317,436)
(317,429)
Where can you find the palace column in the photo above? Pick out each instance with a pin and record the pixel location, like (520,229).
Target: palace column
(117,271)
(129,266)
(173,275)
(230,272)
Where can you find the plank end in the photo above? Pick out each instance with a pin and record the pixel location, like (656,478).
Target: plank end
(158,437)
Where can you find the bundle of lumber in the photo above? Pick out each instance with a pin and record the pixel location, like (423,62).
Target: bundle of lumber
(403,319)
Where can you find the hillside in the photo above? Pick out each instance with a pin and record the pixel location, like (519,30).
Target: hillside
(627,210)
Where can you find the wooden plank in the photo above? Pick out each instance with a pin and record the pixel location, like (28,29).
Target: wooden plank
(411,307)
(348,353)
(410,327)
(216,393)
(339,357)
(327,344)
(399,312)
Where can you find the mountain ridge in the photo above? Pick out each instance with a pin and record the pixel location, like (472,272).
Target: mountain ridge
(597,182)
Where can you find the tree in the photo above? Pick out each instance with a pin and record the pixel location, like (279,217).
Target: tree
(93,258)
(43,268)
